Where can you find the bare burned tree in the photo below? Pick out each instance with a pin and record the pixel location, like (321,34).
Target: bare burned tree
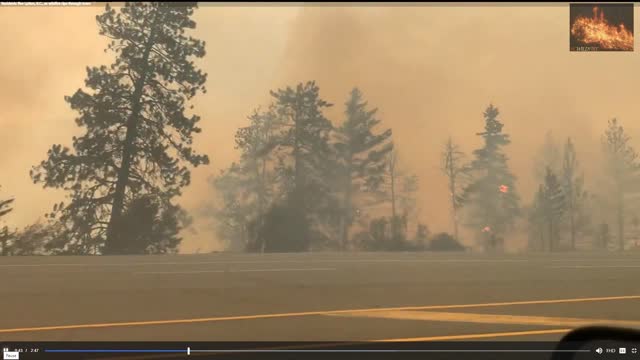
(453,166)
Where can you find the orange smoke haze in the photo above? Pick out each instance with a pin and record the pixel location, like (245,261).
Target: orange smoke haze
(431,70)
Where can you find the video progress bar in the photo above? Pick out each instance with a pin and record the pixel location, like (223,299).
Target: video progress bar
(189,350)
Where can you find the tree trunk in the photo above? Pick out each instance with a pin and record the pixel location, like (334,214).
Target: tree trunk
(346,216)
(112,244)
(394,230)
(346,224)
(551,237)
(262,201)
(621,226)
(572,220)
(573,229)
(393,198)
(254,229)
(541,245)
(454,207)
(5,239)
(244,236)
(455,224)
(299,202)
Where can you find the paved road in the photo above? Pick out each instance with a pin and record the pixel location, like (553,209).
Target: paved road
(322,296)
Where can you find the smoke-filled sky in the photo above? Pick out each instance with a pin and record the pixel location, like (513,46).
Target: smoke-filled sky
(431,70)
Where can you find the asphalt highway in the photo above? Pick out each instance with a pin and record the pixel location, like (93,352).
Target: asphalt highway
(315,296)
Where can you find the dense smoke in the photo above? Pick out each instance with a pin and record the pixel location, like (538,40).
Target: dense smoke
(431,70)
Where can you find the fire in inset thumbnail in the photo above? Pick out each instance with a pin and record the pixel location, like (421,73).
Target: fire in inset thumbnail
(608,27)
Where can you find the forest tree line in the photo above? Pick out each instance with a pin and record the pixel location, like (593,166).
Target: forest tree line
(302,181)
(358,170)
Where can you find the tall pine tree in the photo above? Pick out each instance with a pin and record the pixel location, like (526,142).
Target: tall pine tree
(549,155)
(622,167)
(537,222)
(306,166)
(553,203)
(394,178)
(407,198)
(574,192)
(491,198)
(247,188)
(232,212)
(361,152)
(137,136)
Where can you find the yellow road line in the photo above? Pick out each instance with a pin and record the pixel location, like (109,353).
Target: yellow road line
(490,318)
(428,338)
(308,313)
(495,304)
(479,336)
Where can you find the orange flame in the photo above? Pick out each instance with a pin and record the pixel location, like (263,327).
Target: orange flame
(599,32)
